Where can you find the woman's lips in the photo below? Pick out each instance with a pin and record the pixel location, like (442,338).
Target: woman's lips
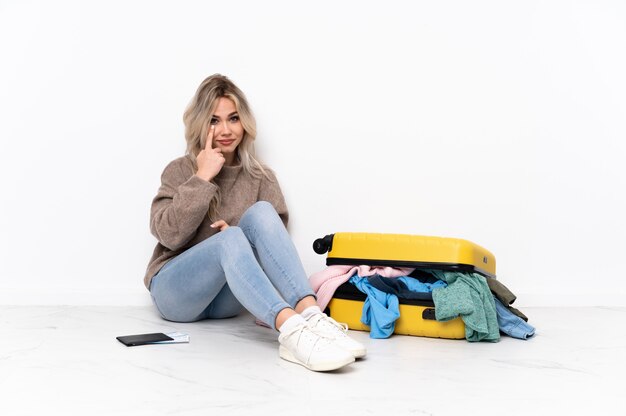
(225,142)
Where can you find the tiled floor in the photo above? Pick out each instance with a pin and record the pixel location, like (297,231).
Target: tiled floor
(66,361)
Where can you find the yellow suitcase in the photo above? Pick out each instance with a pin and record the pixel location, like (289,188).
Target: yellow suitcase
(417,317)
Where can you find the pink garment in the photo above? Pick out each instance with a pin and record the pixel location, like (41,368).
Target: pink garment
(325,282)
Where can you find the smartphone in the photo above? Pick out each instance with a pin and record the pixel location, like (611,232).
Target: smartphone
(143,339)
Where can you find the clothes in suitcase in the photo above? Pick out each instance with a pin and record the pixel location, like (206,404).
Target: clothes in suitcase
(422,253)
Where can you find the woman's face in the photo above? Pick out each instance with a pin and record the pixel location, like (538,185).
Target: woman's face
(228,129)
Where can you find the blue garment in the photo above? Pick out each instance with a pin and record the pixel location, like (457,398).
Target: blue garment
(469,297)
(417,286)
(380,309)
(511,324)
(405,287)
(221,275)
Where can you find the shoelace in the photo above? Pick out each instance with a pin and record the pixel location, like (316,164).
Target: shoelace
(318,340)
(303,332)
(337,327)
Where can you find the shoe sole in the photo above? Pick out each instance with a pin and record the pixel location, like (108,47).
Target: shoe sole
(285,354)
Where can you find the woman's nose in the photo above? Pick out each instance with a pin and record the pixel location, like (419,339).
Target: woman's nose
(225,128)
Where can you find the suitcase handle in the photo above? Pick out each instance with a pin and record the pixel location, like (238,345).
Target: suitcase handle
(429,314)
(324,244)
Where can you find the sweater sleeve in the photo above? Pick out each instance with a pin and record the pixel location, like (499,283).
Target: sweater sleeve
(180,206)
(270,192)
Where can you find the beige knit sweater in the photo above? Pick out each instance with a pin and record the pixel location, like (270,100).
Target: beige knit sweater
(179,215)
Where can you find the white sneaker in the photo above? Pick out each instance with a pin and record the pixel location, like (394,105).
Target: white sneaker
(324,324)
(312,350)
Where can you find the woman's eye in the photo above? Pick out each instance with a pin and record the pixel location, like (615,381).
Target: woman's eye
(213,121)
(234,119)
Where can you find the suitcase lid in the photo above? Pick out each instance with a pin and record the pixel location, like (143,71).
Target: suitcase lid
(404,250)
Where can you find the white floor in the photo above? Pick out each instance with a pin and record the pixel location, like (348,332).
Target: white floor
(66,361)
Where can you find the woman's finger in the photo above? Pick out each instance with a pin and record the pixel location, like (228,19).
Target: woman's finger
(221,224)
(209,138)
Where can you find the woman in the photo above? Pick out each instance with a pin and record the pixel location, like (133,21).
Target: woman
(220,218)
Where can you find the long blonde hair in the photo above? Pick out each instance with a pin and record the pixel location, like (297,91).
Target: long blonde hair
(197,118)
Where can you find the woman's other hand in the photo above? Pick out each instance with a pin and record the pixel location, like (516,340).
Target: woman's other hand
(210,160)
(221,224)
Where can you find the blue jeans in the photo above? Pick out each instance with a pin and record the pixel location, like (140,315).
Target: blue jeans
(253,265)
(511,324)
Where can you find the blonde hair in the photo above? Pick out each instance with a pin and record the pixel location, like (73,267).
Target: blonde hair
(197,119)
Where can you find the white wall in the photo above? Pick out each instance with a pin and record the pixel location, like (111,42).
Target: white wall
(499,122)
